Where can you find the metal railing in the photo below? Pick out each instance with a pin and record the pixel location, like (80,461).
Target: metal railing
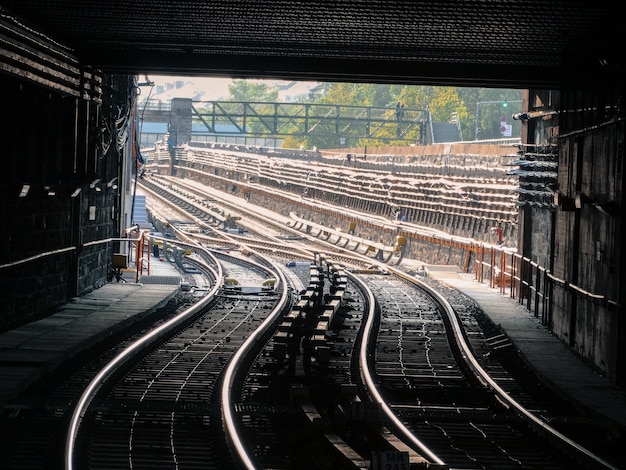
(141,244)
(261,118)
(525,280)
(513,274)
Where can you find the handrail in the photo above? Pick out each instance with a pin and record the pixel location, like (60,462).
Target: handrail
(141,240)
(577,289)
(525,279)
(67,249)
(36,257)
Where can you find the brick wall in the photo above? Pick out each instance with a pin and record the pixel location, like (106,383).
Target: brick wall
(51,152)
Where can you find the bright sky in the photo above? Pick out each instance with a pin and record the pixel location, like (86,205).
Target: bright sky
(214,87)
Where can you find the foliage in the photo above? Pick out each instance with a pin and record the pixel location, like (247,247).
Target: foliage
(493,106)
(251,90)
(358,94)
(479,112)
(294,142)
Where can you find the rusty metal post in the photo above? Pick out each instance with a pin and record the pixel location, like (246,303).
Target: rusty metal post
(537,287)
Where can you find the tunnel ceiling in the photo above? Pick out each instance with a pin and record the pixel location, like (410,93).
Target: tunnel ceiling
(517,43)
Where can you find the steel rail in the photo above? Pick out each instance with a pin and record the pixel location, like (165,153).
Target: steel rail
(365,354)
(245,460)
(96,383)
(232,430)
(242,241)
(483,376)
(435,236)
(486,380)
(233,433)
(470,360)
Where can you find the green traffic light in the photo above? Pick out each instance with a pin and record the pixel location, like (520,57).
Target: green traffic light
(505,104)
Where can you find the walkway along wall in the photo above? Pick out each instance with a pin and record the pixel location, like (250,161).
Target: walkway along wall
(574,254)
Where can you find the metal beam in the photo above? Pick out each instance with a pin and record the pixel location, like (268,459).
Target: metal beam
(302,119)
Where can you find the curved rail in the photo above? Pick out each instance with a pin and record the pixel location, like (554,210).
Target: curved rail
(364,358)
(469,358)
(97,382)
(250,244)
(488,382)
(230,423)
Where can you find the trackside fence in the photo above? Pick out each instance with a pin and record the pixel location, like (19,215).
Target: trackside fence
(523,279)
(135,247)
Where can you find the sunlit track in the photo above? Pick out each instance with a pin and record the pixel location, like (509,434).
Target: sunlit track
(204,215)
(464,342)
(366,367)
(122,358)
(429,390)
(156,399)
(234,372)
(469,373)
(212,209)
(179,196)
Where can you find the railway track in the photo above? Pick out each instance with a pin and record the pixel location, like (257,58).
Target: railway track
(208,212)
(438,396)
(38,420)
(399,371)
(491,412)
(158,402)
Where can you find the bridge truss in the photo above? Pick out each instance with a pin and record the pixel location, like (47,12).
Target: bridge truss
(307,119)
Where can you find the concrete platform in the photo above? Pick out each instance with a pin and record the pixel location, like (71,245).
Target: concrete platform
(30,351)
(555,364)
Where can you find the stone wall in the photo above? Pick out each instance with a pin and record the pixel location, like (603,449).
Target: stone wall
(463,201)
(588,249)
(262,178)
(54,197)
(34,225)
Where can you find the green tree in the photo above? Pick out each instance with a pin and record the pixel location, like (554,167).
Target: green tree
(251,90)
(414,96)
(443,103)
(469,97)
(446,105)
(251,93)
(358,94)
(294,142)
(494,106)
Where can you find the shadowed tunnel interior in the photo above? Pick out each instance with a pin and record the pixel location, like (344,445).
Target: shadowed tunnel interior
(471,42)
